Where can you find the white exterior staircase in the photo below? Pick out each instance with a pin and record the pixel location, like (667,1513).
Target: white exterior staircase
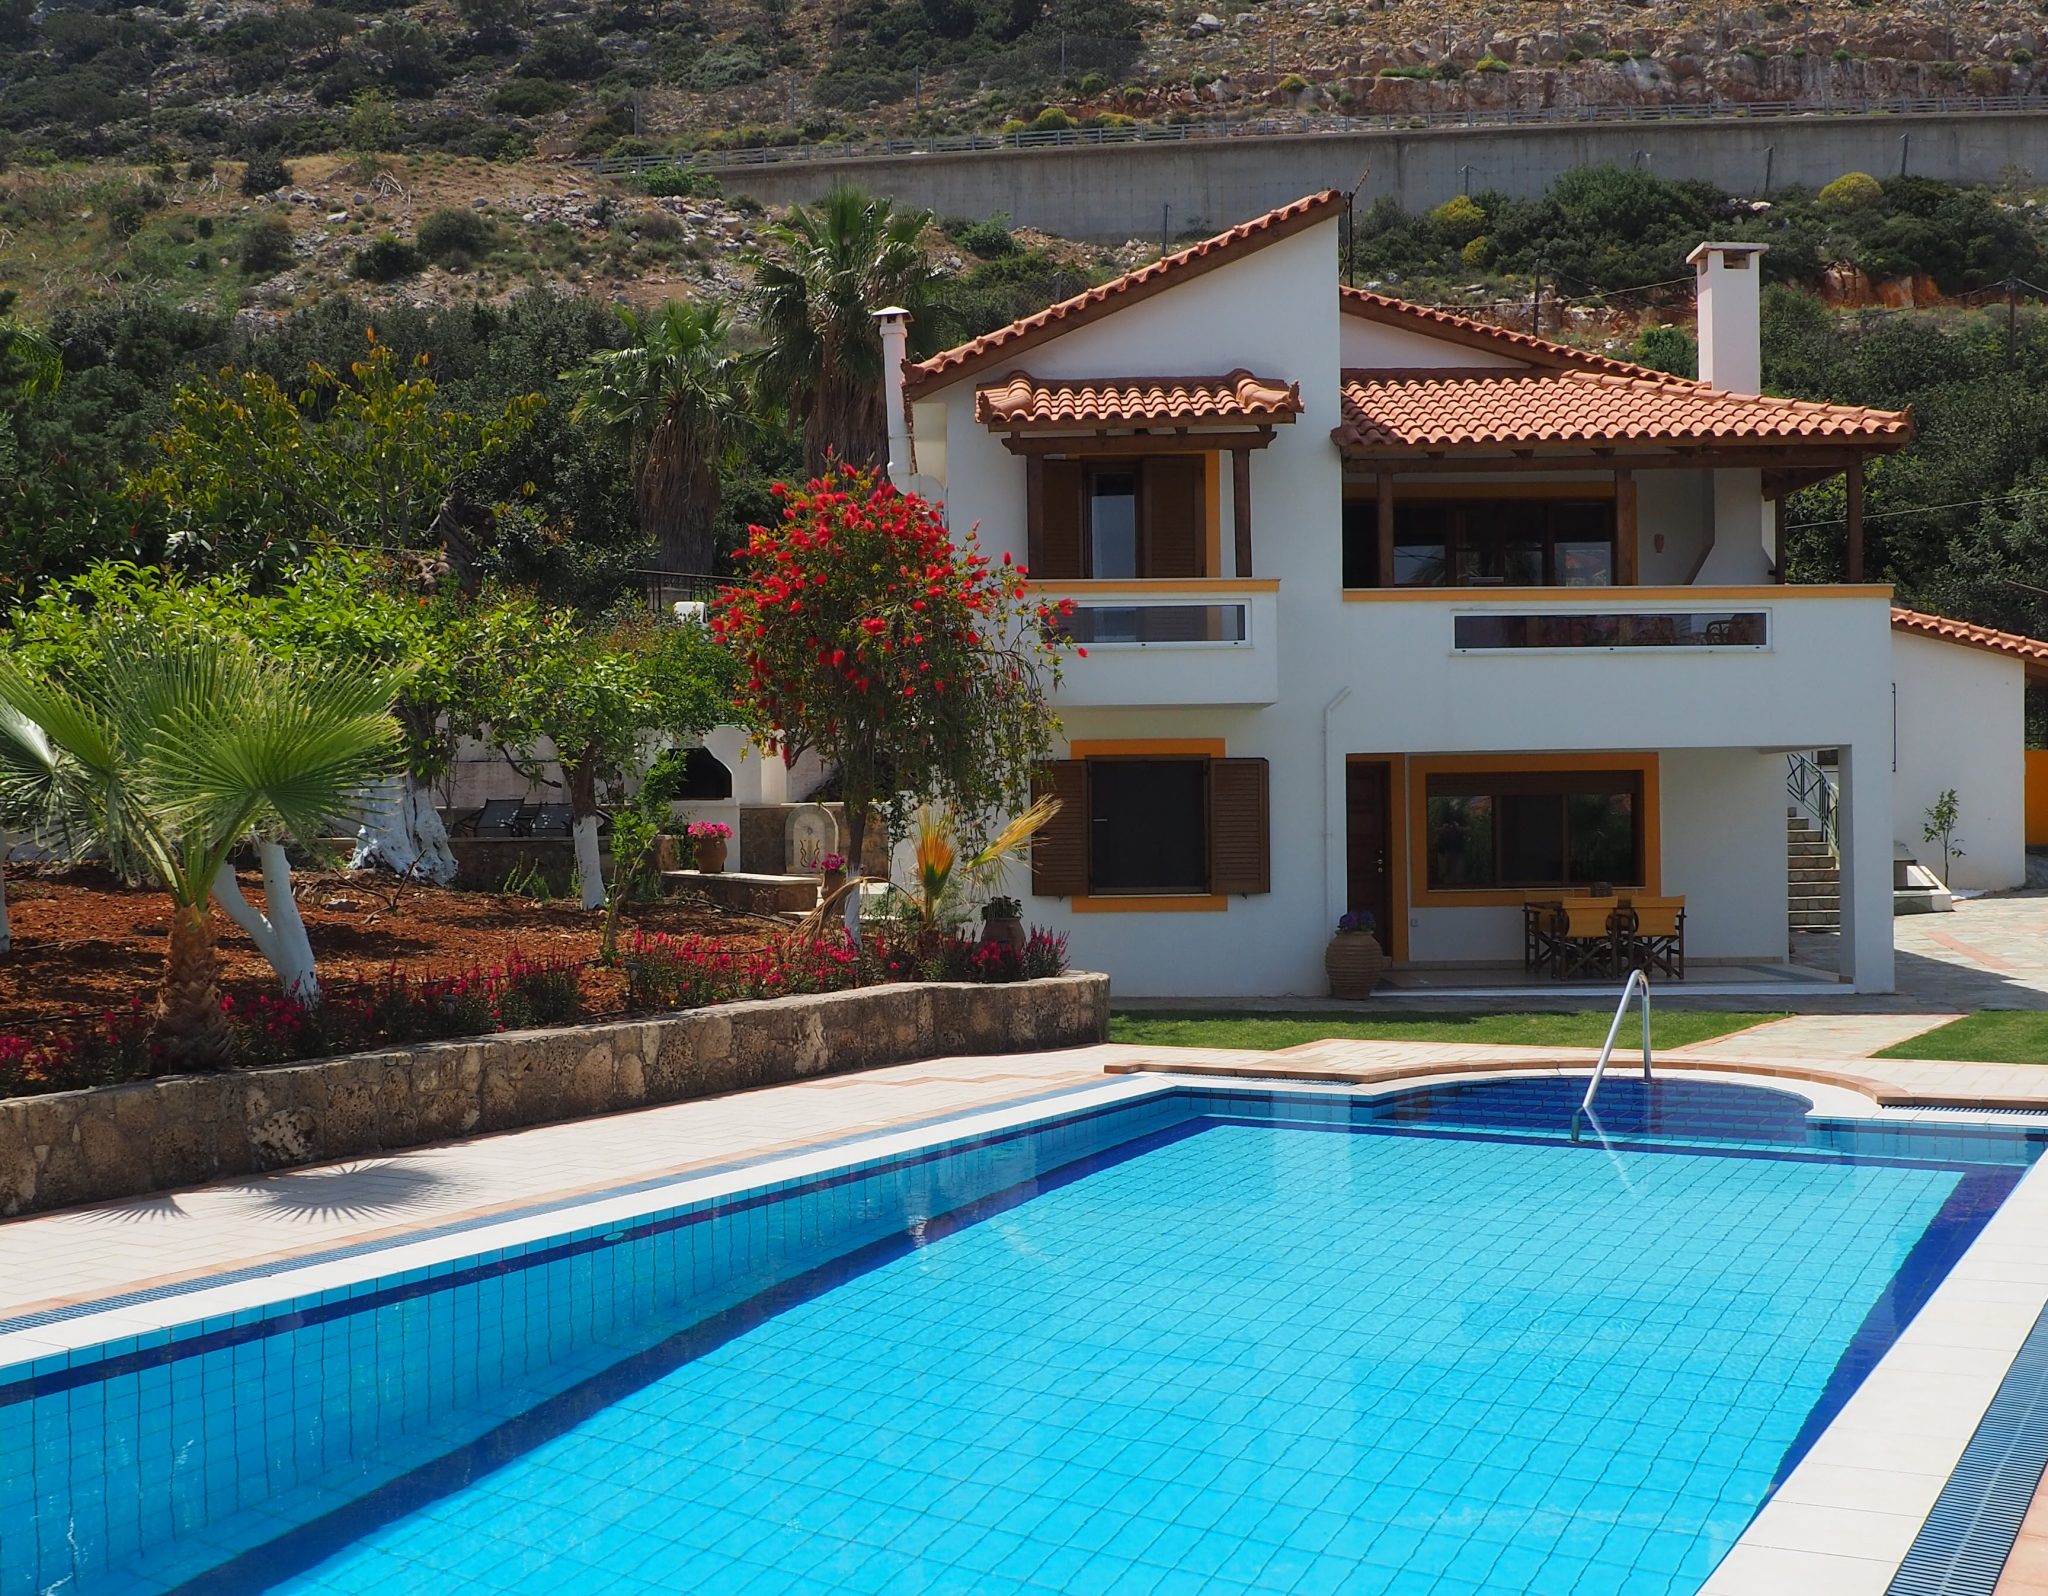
(1813,877)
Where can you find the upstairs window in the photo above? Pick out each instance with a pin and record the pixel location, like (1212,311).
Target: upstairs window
(1483,543)
(1120,520)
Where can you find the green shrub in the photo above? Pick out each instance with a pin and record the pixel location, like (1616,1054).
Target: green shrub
(1013,126)
(265,174)
(532,97)
(571,53)
(385,260)
(2020,56)
(1490,63)
(1405,72)
(1842,58)
(1293,83)
(1574,56)
(1666,349)
(725,68)
(1092,83)
(1615,57)
(1852,191)
(456,237)
(1051,120)
(989,240)
(683,182)
(1458,220)
(266,247)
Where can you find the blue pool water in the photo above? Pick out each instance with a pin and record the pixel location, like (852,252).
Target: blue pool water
(1218,1342)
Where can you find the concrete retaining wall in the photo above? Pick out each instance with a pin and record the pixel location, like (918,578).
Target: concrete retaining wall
(1109,194)
(119,1141)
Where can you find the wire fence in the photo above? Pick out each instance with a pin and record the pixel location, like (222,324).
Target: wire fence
(1201,132)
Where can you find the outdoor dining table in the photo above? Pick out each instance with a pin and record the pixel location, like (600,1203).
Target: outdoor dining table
(1577,934)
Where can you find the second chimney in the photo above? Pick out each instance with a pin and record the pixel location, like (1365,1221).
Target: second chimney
(1731,315)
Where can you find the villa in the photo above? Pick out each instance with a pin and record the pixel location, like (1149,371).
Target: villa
(1389,610)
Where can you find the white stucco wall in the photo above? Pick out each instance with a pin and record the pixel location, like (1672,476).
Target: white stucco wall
(1380,676)
(1961,723)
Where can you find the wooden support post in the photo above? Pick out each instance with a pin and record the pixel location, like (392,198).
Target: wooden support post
(1034,511)
(1854,559)
(1241,507)
(1385,483)
(1625,561)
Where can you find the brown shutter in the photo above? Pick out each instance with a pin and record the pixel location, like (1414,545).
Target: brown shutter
(1056,539)
(1059,853)
(1240,849)
(1171,497)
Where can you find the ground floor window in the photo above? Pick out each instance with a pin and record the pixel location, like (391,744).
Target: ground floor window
(1535,828)
(1148,825)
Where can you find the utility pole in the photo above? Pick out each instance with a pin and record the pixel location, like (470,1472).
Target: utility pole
(1165,226)
(1465,172)
(1770,160)
(1536,301)
(2012,322)
(1905,144)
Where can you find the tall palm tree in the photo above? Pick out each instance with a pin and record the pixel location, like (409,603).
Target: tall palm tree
(22,345)
(828,269)
(175,756)
(673,396)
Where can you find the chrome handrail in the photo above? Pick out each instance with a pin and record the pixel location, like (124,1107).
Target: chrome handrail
(1637,982)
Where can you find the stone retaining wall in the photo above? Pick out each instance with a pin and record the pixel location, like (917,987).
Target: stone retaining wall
(119,1141)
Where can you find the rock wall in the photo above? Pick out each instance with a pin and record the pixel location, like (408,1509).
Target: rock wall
(119,1141)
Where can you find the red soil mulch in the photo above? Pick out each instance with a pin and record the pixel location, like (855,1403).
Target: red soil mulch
(83,942)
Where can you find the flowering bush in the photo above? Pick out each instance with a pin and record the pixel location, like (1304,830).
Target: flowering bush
(709,831)
(904,656)
(1357,920)
(662,973)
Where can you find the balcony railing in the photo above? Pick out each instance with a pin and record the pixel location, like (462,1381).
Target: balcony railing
(1170,642)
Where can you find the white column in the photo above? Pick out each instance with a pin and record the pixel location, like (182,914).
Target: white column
(1865,829)
(894,325)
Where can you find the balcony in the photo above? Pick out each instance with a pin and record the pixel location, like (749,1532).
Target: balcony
(1163,643)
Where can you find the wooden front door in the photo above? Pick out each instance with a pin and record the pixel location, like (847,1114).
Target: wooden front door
(1368,842)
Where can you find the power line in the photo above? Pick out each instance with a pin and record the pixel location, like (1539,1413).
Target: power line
(1924,509)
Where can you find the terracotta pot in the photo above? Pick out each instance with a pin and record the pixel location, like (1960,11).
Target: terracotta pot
(833,880)
(1354,963)
(1005,931)
(711,855)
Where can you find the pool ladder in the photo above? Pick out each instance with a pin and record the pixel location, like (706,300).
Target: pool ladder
(1638,985)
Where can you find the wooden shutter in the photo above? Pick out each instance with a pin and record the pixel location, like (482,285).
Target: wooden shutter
(1056,532)
(1240,827)
(1175,536)
(1059,853)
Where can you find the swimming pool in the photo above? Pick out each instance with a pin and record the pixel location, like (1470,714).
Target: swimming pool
(1193,1339)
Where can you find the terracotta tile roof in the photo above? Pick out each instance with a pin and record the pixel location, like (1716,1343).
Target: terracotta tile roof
(2030,649)
(1448,409)
(1453,328)
(1022,400)
(1146,280)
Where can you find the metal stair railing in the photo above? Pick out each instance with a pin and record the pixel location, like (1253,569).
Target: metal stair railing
(1813,790)
(1638,985)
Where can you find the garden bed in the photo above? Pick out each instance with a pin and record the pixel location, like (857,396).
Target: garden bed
(84,943)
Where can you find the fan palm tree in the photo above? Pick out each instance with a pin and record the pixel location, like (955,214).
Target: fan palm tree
(34,352)
(173,756)
(829,268)
(673,396)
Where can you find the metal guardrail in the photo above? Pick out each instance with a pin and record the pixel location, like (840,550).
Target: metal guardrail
(1279,127)
(1813,790)
(1638,985)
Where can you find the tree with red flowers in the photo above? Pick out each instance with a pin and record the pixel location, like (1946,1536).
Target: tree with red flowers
(917,665)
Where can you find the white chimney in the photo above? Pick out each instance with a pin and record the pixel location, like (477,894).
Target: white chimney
(1731,315)
(895,327)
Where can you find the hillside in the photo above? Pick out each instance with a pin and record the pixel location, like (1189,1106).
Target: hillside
(504,80)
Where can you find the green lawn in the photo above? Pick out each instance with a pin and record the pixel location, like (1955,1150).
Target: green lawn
(1991,1036)
(1265,1032)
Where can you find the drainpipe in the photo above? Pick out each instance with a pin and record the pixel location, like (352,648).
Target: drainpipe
(894,322)
(1331,878)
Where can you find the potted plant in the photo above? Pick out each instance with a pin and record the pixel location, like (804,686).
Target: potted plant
(832,868)
(1002,924)
(709,838)
(1354,960)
